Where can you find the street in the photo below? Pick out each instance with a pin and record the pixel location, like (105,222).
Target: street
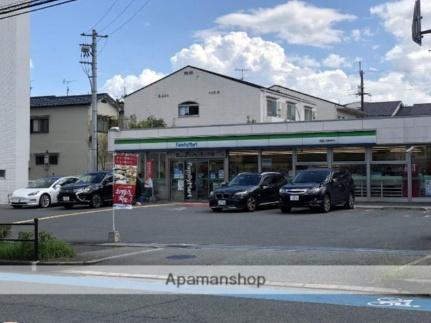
(184,234)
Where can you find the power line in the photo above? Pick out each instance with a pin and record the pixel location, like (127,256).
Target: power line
(131,18)
(105,14)
(37,9)
(25,5)
(119,15)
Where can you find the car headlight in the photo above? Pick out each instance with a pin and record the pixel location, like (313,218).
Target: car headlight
(84,190)
(282,190)
(241,194)
(314,190)
(33,193)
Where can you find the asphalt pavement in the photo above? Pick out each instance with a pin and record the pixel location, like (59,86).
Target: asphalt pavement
(178,224)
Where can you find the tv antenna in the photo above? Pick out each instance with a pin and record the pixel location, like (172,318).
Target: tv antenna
(67,82)
(242,70)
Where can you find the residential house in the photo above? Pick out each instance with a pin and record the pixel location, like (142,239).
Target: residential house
(193,96)
(60,133)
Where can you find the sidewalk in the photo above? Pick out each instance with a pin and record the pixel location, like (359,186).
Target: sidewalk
(394,205)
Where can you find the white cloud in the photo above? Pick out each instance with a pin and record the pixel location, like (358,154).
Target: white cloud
(336,61)
(361,34)
(410,62)
(295,22)
(118,84)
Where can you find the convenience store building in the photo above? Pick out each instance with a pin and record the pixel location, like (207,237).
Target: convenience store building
(389,158)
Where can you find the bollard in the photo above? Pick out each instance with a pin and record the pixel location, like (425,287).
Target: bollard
(36,239)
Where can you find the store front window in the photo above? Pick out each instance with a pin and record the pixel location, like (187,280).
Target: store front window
(389,153)
(155,168)
(352,159)
(242,161)
(421,171)
(389,180)
(277,161)
(312,155)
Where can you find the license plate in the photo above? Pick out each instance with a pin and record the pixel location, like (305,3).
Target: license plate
(294,197)
(222,202)
(66,198)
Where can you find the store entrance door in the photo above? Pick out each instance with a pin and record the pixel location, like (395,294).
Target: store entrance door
(192,180)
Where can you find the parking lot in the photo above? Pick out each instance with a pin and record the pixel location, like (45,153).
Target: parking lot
(196,224)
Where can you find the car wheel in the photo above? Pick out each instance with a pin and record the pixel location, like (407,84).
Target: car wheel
(251,204)
(17,206)
(96,201)
(217,209)
(45,201)
(350,203)
(326,206)
(286,209)
(68,206)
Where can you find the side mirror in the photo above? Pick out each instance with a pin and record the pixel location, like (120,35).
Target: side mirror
(57,187)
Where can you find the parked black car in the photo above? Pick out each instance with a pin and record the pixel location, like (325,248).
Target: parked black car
(318,188)
(247,191)
(94,189)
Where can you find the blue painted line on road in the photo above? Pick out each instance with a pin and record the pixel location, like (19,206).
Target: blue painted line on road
(403,302)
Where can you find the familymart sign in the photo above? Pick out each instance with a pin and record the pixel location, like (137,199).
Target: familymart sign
(252,140)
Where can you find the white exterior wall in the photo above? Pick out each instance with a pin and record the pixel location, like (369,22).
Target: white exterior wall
(234,102)
(14,103)
(390,131)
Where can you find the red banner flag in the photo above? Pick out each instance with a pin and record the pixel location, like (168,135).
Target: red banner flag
(125,173)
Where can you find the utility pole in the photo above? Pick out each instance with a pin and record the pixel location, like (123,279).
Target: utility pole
(361,89)
(90,51)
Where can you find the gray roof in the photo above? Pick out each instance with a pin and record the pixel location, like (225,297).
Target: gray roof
(415,110)
(71,100)
(381,109)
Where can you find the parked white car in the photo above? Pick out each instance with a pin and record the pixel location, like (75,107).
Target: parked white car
(41,192)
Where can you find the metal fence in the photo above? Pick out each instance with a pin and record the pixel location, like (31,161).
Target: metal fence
(35,240)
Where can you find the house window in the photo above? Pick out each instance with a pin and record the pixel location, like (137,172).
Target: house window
(40,159)
(188,109)
(104,124)
(2,174)
(291,111)
(39,125)
(308,114)
(271,107)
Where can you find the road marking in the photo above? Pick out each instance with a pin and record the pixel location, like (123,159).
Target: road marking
(87,212)
(113,285)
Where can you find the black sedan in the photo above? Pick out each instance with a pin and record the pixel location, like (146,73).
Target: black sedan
(247,191)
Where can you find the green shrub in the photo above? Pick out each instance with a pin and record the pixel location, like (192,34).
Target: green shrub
(49,248)
(4,231)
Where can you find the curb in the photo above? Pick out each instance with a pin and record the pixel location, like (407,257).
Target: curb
(392,207)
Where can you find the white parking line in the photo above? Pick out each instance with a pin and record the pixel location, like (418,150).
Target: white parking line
(88,212)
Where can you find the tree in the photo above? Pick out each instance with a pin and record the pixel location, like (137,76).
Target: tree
(150,122)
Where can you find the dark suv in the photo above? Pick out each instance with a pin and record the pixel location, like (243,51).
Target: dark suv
(94,189)
(318,188)
(247,191)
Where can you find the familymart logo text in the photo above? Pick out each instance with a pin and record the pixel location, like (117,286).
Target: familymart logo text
(232,280)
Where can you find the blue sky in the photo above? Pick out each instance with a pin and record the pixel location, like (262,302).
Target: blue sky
(311,45)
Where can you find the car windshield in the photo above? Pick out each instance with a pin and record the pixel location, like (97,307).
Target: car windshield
(42,183)
(90,178)
(311,176)
(245,180)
